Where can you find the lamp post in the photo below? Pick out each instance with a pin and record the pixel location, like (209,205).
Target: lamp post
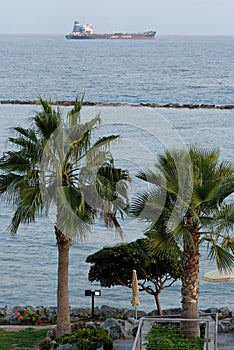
(92,293)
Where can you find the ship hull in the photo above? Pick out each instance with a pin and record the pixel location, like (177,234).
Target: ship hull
(116,36)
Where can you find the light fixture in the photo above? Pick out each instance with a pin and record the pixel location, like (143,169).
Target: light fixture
(92,293)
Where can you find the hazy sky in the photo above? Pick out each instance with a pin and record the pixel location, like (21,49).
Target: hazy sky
(202,17)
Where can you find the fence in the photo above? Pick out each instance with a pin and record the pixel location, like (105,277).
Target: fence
(145,324)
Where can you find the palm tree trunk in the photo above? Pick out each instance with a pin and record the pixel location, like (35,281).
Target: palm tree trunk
(63,314)
(190,289)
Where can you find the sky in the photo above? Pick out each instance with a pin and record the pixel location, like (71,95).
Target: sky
(177,17)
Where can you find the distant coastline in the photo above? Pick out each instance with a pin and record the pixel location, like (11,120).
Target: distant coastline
(118,104)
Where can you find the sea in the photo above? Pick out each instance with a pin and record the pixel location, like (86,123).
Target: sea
(127,74)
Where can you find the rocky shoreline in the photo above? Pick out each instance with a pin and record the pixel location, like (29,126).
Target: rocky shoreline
(118,104)
(119,323)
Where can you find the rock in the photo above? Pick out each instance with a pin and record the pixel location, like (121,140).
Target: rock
(49,334)
(8,310)
(132,314)
(109,323)
(117,329)
(224,312)
(132,320)
(126,329)
(225,321)
(134,331)
(212,310)
(18,309)
(228,106)
(221,328)
(108,311)
(112,328)
(203,105)
(3,321)
(81,313)
(2,312)
(166,312)
(54,345)
(227,325)
(65,347)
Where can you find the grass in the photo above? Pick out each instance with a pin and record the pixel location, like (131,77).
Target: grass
(24,339)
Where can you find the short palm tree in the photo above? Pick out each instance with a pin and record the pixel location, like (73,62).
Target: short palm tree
(186,207)
(57,164)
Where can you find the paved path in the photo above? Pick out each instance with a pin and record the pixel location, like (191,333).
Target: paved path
(123,345)
(225,341)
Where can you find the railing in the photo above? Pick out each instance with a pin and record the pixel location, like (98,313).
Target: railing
(145,325)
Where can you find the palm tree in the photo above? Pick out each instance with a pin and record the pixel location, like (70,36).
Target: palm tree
(186,207)
(58,165)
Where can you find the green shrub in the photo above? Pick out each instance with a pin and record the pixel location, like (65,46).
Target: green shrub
(169,337)
(78,325)
(160,344)
(88,338)
(28,316)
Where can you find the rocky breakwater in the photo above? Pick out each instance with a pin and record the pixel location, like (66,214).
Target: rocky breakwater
(20,315)
(118,323)
(118,104)
(225,319)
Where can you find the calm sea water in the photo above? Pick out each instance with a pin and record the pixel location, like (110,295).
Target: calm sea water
(169,69)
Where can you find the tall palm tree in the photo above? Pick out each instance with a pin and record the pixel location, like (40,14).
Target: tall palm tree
(186,207)
(57,164)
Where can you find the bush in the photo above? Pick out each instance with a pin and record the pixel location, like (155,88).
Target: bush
(88,338)
(78,325)
(160,344)
(169,337)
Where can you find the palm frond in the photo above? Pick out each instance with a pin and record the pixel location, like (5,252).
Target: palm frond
(78,139)
(162,243)
(10,185)
(29,206)
(223,218)
(74,214)
(27,133)
(14,161)
(48,120)
(73,116)
(148,205)
(149,176)
(223,258)
(101,146)
(228,244)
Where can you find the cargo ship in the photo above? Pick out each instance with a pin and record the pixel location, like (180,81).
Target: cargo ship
(85,31)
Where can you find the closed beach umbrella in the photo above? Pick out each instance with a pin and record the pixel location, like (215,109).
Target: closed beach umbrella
(135,291)
(219,276)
